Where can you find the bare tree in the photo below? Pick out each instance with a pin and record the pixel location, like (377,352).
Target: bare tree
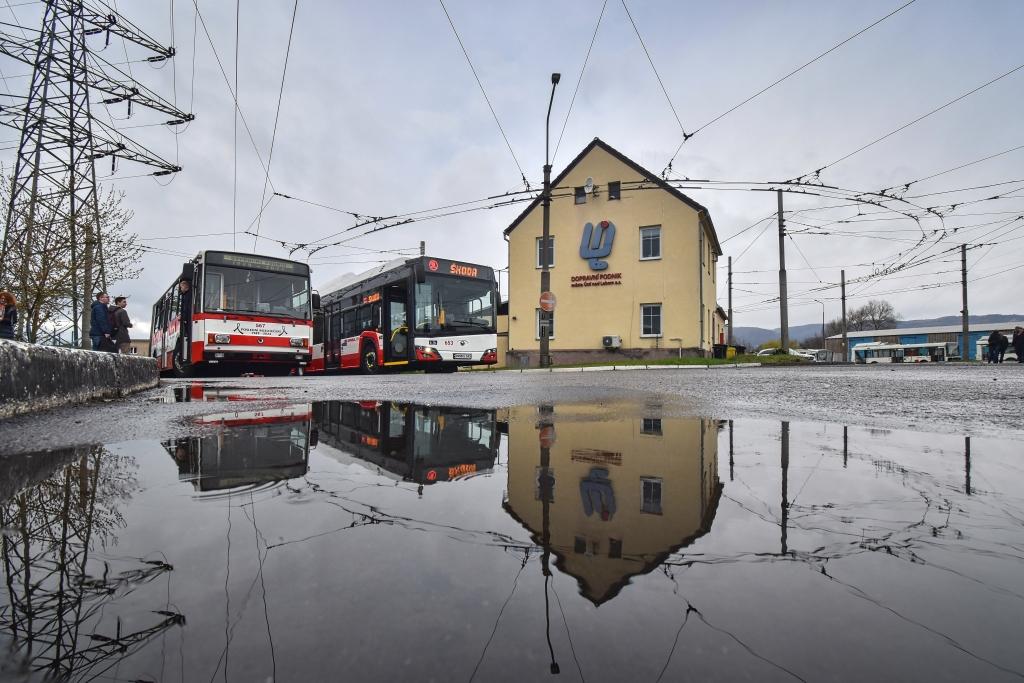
(876,314)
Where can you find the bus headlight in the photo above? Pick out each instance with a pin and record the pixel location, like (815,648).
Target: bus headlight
(297,341)
(222,339)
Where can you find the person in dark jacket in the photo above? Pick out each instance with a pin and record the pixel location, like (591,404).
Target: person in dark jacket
(8,314)
(993,347)
(121,323)
(1018,343)
(100,328)
(1004,343)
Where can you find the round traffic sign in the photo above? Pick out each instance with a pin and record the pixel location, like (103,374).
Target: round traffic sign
(547,302)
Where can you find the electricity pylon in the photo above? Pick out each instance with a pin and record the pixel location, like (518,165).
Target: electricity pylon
(51,228)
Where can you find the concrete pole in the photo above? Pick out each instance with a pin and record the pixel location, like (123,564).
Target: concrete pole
(730,340)
(783,294)
(965,337)
(846,339)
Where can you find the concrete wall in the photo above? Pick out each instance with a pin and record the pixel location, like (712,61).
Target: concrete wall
(39,377)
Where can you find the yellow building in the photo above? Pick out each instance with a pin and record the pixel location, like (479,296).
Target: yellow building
(611,499)
(633,267)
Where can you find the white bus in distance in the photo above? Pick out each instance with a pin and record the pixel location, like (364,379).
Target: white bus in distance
(880,352)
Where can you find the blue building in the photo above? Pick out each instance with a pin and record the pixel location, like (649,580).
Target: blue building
(925,335)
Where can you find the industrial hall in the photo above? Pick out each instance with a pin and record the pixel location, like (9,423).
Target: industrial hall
(632,263)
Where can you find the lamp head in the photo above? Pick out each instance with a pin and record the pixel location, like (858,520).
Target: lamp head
(555,78)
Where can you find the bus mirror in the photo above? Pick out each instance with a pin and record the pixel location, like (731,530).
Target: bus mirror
(316,301)
(188,271)
(421,277)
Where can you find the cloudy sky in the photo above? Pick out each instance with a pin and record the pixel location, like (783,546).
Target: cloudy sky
(381,116)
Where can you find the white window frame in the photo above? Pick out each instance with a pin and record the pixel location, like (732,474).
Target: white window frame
(536,324)
(661,495)
(661,325)
(648,228)
(650,432)
(536,250)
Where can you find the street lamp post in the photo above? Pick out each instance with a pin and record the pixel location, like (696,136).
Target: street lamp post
(545,253)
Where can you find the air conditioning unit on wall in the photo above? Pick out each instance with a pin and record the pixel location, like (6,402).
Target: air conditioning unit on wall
(612,341)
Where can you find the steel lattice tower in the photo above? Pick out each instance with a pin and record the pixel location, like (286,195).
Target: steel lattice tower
(51,224)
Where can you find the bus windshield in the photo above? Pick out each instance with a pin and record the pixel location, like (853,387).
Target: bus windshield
(241,290)
(454,305)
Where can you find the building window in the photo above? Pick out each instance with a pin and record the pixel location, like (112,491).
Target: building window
(550,317)
(651,426)
(551,252)
(615,548)
(615,190)
(650,495)
(581,195)
(650,242)
(650,320)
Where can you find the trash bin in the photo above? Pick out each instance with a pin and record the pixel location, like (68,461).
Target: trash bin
(730,352)
(718,350)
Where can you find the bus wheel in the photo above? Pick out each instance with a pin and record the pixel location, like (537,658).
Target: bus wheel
(369,366)
(181,368)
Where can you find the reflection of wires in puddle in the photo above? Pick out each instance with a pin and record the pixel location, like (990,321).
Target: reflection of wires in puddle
(597,494)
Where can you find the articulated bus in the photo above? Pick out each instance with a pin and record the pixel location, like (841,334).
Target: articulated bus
(415,443)
(880,352)
(248,312)
(426,313)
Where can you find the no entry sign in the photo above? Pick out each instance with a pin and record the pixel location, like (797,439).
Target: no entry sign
(547,302)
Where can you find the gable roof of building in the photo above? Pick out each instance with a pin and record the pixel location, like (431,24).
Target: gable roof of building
(647,176)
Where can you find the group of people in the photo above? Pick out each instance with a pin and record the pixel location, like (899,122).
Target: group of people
(8,314)
(998,343)
(109,328)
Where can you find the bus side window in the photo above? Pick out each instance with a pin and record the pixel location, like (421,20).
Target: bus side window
(375,320)
(336,325)
(349,323)
(365,322)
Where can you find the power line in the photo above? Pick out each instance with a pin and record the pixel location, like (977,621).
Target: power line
(906,186)
(277,115)
(817,173)
(835,47)
(686,135)
(484,92)
(580,79)
(234,188)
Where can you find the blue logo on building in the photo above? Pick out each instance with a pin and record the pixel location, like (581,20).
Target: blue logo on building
(597,243)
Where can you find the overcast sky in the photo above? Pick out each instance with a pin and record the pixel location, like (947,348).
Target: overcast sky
(381,115)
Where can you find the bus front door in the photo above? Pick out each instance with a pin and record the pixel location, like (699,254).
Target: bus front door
(397,341)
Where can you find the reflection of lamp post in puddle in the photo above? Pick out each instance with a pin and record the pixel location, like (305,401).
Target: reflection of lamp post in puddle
(785,485)
(546,490)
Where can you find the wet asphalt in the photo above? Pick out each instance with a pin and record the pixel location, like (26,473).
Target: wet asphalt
(986,400)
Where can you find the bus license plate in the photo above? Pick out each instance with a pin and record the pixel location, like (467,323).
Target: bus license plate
(462,356)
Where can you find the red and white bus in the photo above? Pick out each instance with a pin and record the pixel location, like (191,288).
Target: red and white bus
(427,313)
(251,313)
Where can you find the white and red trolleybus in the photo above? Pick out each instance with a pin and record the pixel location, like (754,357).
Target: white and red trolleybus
(249,312)
(426,313)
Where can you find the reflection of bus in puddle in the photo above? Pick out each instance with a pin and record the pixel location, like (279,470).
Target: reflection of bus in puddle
(245,448)
(423,444)
(610,498)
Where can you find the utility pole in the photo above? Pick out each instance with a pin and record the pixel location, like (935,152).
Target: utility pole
(783,294)
(965,349)
(730,340)
(52,219)
(846,339)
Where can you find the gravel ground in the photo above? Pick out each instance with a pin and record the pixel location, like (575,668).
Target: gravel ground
(982,400)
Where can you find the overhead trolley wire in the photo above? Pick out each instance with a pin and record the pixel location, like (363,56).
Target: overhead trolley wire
(835,47)
(579,80)
(906,186)
(484,92)
(656,74)
(817,173)
(277,116)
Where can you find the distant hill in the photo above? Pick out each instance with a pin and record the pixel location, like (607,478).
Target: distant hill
(755,336)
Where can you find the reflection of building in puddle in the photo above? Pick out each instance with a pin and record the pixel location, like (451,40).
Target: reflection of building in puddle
(424,444)
(245,448)
(611,499)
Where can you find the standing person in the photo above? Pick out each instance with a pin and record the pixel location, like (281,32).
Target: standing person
(100,329)
(185,308)
(993,346)
(1004,343)
(122,322)
(8,314)
(1018,343)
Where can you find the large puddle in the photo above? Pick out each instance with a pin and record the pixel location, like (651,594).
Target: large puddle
(382,541)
